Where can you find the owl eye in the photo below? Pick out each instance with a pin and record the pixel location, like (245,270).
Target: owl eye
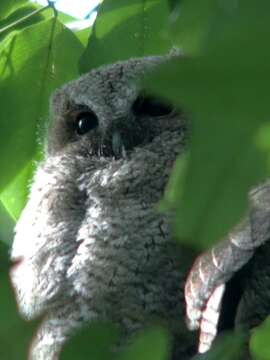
(148,105)
(85,122)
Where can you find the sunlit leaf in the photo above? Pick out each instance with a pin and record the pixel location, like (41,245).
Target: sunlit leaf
(83,35)
(22,12)
(33,62)
(127,28)
(7,6)
(14,195)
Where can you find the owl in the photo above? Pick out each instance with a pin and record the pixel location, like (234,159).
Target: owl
(91,243)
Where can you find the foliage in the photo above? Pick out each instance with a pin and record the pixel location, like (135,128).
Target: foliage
(12,327)
(222,83)
(259,343)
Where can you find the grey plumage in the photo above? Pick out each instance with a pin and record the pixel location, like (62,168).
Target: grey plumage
(217,266)
(91,241)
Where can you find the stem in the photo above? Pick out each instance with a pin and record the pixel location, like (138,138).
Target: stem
(24,18)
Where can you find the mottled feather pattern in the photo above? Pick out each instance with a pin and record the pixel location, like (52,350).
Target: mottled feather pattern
(92,242)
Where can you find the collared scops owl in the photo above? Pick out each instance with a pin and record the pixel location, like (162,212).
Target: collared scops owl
(91,243)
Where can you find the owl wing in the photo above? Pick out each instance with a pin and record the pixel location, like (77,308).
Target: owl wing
(205,284)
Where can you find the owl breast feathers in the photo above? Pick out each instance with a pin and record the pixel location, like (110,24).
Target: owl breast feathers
(91,241)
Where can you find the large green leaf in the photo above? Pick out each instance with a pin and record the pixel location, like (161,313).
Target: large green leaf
(33,62)
(225,90)
(7,6)
(127,28)
(15,334)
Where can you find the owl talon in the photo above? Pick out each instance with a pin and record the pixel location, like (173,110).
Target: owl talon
(203,295)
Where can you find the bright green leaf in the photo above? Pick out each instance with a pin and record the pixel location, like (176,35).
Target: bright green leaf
(15,194)
(127,28)
(33,63)
(83,35)
(22,13)
(8,6)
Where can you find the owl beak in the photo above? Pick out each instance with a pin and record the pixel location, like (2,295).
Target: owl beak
(118,146)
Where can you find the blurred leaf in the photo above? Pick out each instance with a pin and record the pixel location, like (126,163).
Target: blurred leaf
(230,346)
(19,14)
(260,341)
(191,22)
(127,28)
(83,35)
(151,344)
(7,6)
(93,342)
(65,18)
(174,188)
(15,334)
(7,224)
(33,62)
(14,195)
(4,255)
(225,90)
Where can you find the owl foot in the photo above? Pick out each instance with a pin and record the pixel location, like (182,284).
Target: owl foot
(203,295)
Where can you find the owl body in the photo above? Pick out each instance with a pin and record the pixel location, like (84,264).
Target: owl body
(91,242)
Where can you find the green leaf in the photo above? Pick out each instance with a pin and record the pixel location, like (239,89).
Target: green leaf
(225,90)
(4,254)
(7,224)
(93,342)
(15,334)
(33,62)
(191,23)
(8,6)
(20,13)
(127,28)
(83,35)
(260,341)
(15,193)
(150,344)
